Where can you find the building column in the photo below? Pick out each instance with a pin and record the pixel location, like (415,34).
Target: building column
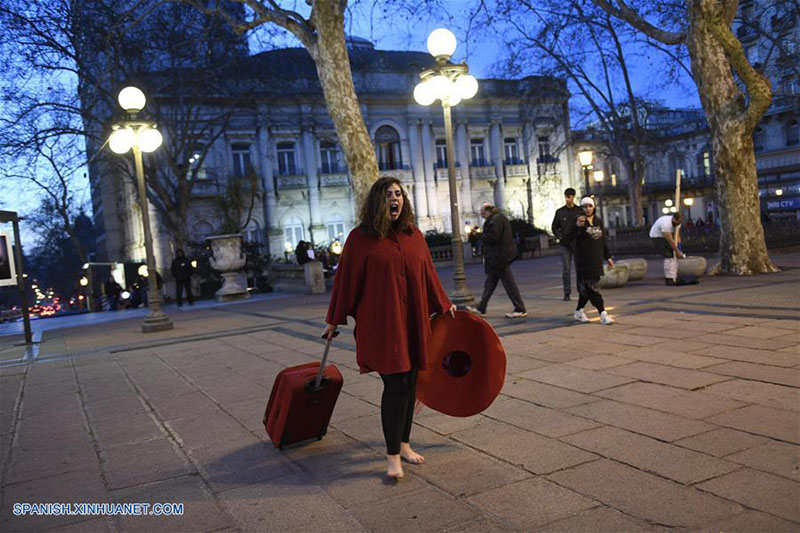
(496,140)
(418,171)
(428,158)
(270,202)
(462,156)
(316,227)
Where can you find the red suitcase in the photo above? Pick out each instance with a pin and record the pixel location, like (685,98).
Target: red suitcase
(302,401)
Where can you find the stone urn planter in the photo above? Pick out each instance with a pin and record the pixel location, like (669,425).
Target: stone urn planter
(616,276)
(637,268)
(692,266)
(229,260)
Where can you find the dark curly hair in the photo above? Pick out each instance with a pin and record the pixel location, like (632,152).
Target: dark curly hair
(375,218)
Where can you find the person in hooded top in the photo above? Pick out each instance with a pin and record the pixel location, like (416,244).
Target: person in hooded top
(591,250)
(387,282)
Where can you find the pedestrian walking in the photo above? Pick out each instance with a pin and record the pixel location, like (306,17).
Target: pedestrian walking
(666,245)
(182,272)
(386,281)
(113,292)
(563,220)
(590,252)
(499,250)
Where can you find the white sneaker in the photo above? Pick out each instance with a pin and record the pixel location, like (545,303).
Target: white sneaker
(517,314)
(475,310)
(580,316)
(605,319)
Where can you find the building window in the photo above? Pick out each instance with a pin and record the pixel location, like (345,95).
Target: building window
(544,149)
(287,165)
(510,150)
(387,148)
(758,139)
(195,163)
(704,163)
(241,159)
(477,153)
(293,231)
(676,163)
(335,226)
(330,157)
(792,133)
(441,153)
(253,233)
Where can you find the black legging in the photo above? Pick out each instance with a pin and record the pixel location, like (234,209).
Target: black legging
(397,408)
(588,290)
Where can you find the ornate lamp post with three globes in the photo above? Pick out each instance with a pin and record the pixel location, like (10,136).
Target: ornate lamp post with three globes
(450,83)
(141,136)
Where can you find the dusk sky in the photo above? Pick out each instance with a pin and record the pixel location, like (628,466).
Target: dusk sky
(484,54)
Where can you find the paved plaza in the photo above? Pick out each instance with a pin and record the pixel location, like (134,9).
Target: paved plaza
(683,415)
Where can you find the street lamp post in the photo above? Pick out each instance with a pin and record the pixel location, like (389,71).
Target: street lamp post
(449,83)
(598,178)
(141,136)
(585,158)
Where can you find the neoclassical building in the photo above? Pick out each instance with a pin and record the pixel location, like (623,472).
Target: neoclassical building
(511,149)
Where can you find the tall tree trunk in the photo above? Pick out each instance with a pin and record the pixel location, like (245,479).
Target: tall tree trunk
(333,68)
(742,245)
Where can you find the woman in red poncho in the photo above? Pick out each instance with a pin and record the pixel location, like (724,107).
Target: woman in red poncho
(386,281)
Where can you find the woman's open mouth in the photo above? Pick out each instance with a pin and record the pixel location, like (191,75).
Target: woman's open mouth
(394,208)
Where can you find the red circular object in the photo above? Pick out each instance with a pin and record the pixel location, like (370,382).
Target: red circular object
(467,366)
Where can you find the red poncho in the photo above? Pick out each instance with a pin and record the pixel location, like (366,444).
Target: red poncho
(391,288)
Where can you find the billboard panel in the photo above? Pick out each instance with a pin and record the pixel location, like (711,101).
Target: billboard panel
(8,275)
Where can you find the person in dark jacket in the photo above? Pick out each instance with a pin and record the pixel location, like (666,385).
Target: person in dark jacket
(499,250)
(182,272)
(113,292)
(590,251)
(562,221)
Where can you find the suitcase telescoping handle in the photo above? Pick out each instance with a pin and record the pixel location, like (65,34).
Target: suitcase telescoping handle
(324,359)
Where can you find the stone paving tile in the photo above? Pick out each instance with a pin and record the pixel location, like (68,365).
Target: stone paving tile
(751,355)
(38,461)
(444,424)
(520,363)
(667,375)
(791,325)
(7,419)
(543,394)
(644,495)
(84,485)
(539,455)
(531,503)
(481,525)
(165,387)
(758,490)
(750,522)
(745,390)
(128,430)
(548,352)
(193,432)
(427,509)
(769,374)
(121,407)
(232,465)
(547,422)
(600,519)
(184,406)
(199,506)
(599,362)
(467,472)
(776,458)
(235,391)
(92,525)
(671,356)
(644,453)
(761,332)
(655,424)
(672,332)
(348,406)
(573,378)
(250,414)
(144,462)
(671,400)
(721,442)
(775,423)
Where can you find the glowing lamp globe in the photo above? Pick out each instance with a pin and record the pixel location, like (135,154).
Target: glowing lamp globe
(779,192)
(668,202)
(142,271)
(121,140)
(467,86)
(150,139)
(83,281)
(688,201)
(585,157)
(423,93)
(442,43)
(598,175)
(131,99)
(665,210)
(673,209)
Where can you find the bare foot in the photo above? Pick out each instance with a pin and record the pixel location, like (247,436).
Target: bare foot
(394,468)
(410,455)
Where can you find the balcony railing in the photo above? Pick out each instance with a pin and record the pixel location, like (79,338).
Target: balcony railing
(341,179)
(547,160)
(482,173)
(517,170)
(292,182)
(694,182)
